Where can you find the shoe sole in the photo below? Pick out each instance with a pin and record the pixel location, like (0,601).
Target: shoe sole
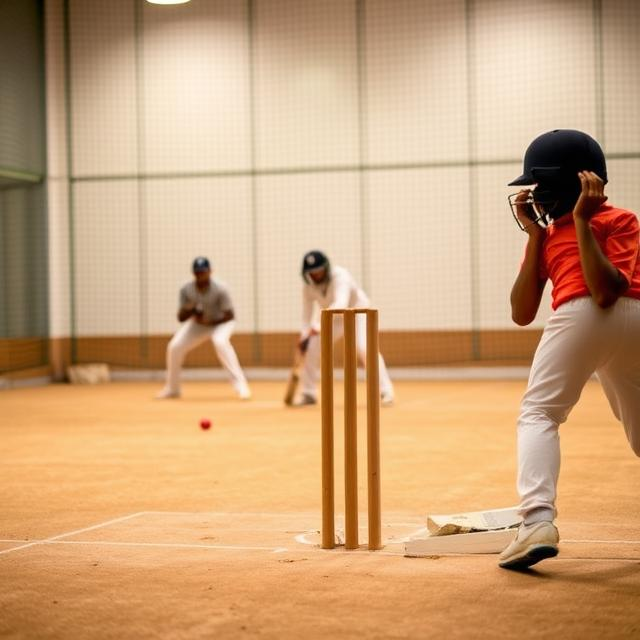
(533,555)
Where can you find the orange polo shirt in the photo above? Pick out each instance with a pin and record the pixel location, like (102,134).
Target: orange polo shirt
(617,232)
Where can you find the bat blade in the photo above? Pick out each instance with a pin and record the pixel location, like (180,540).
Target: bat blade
(294,377)
(292,385)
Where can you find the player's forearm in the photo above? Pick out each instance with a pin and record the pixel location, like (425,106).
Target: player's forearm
(604,281)
(307,312)
(306,327)
(526,292)
(185,313)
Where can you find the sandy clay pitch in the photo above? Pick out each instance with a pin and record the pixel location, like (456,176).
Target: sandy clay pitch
(121,518)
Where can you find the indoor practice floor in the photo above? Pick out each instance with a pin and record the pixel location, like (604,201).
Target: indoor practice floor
(121,518)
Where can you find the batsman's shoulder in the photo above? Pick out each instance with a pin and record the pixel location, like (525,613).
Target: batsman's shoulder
(612,215)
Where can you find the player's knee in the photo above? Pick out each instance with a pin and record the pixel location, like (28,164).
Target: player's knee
(219,342)
(539,419)
(175,347)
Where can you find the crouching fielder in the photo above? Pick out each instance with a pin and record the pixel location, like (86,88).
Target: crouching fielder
(331,287)
(207,314)
(589,251)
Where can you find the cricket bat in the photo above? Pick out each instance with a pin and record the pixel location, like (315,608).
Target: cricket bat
(294,377)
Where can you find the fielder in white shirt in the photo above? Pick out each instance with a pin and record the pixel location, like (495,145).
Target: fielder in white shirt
(207,313)
(331,287)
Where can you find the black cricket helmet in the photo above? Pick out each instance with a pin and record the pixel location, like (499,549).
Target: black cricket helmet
(314,261)
(551,163)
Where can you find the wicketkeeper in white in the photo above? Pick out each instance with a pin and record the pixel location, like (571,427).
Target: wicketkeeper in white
(207,313)
(331,287)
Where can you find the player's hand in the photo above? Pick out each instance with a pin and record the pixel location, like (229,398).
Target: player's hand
(198,313)
(526,214)
(591,197)
(184,313)
(303,345)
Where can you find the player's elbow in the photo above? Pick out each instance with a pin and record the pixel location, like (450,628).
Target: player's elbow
(521,319)
(523,314)
(607,296)
(525,302)
(606,299)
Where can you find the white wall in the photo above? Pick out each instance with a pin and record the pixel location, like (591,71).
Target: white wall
(104,134)
(620,27)
(298,213)
(306,111)
(189,217)
(534,71)
(252,133)
(194,72)
(416,81)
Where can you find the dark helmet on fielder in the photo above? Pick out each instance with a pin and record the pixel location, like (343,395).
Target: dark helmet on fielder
(315,261)
(551,163)
(201,264)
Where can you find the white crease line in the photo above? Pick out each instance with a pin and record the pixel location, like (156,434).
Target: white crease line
(72,533)
(233,513)
(226,514)
(592,559)
(600,541)
(258,514)
(559,558)
(1,541)
(178,545)
(302,538)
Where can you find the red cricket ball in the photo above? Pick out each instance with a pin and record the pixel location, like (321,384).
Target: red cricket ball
(205,423)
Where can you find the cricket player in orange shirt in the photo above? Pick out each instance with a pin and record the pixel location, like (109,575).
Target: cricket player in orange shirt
(589,251)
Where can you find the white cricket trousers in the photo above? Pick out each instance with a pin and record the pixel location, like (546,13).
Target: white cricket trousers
(311,371)
(579,339)
(190,335)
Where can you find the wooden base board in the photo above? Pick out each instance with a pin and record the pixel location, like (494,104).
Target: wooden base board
(399,348)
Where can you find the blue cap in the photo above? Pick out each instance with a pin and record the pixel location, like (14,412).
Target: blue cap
(201,264)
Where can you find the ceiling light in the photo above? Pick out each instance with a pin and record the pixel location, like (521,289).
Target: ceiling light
(167,1)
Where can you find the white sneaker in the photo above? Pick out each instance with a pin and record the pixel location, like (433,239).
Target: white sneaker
(304,400)
(244,394)
(532,544)
(167,393)
(386,399)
